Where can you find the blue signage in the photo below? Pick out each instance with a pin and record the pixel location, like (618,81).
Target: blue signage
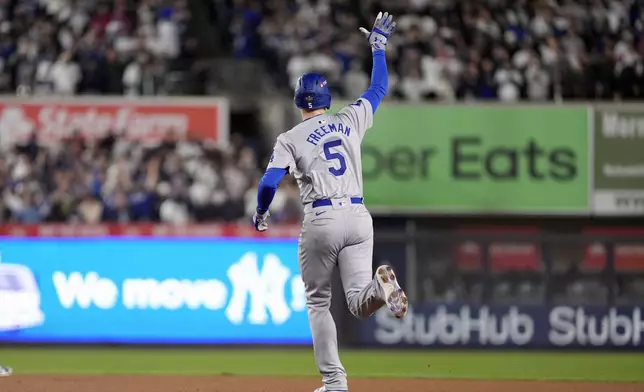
(148,290)
(529,326)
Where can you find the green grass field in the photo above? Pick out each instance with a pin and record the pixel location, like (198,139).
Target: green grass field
(589,366)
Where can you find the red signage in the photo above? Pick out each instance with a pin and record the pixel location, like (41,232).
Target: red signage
(148,230)
(140,119)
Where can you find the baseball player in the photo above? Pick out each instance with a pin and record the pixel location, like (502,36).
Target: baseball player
(323,154)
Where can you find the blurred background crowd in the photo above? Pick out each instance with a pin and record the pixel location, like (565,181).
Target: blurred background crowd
(114,180)
(443,49)
(486,49)
(67,47)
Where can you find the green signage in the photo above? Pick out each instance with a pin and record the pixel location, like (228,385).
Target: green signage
(619,162)
(477,159)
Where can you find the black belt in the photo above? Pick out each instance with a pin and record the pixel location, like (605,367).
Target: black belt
(328,202)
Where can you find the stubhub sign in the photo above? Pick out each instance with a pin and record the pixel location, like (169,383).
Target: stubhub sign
(151,291)
(450,325)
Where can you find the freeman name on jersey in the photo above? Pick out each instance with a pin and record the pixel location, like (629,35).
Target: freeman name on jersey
(315,136)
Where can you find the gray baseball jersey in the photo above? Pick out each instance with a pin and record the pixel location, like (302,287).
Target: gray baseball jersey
(323,154)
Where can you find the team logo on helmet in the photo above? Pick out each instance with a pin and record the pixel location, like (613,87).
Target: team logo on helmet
(323,83)
(309,98)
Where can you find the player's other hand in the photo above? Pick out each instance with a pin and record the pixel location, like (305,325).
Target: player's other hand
(382,28)
(259,221)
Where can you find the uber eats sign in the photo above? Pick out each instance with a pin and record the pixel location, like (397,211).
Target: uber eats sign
(494,159)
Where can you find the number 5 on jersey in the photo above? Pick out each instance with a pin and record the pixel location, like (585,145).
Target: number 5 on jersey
(331,155)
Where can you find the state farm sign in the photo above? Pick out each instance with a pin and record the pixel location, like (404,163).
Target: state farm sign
(143,120)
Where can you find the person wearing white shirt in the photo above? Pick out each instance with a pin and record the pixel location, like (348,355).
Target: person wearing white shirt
(65,74)
(413,87)
(298,65)
(167,38)
(355,80)
(508,81)
(538,81)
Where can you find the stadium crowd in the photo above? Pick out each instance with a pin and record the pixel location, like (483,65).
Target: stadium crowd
(446,49)
(443,49)
(113,180)
(67,47)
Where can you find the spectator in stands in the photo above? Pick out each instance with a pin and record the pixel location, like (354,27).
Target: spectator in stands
(356,81)
(65,75)
(116,208)
(141,76)
(90,210)
(114,69)
(468,88)
(507,81)
(62,199)
(538,80)
(412,87)
(174,209)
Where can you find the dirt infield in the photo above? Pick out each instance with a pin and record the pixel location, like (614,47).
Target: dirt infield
(276,384)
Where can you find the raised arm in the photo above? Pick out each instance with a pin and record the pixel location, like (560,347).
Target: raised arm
(378,36)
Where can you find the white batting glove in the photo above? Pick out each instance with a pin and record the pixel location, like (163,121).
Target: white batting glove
(382,28)
(259,221)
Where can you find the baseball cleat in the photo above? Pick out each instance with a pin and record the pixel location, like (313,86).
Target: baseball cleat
(394,295)
(323,389)
(5,371)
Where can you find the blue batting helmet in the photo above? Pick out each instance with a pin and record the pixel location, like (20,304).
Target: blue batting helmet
(312,92)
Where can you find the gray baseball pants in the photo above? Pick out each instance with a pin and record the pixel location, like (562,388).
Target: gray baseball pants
(339,235)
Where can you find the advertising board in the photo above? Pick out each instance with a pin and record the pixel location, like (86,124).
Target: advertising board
(152,290)
(146,120)
(478,159)
(619,162)
(537,326)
